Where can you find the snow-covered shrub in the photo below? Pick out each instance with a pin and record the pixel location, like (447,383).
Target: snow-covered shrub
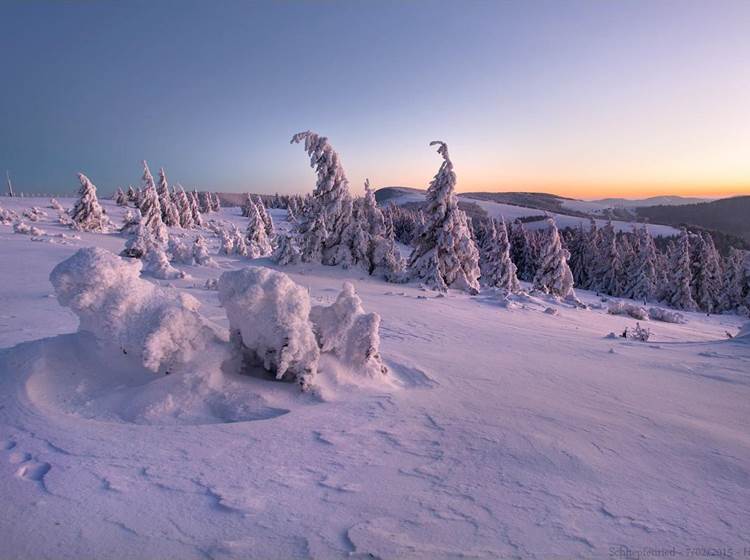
(162,329)
(130,221)
(287,249)
(180,251)
(344,329)
(629,309)
(200,253)
(22,228)
(55,205)
(639,333)
(139,241)
(269,321)
(666,316)
(156,263)
(7,217)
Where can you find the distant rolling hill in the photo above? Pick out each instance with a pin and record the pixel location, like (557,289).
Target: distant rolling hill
(727,215)
(653,201)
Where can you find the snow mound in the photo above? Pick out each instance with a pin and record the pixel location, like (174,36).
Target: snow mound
(269,322)
(344,329)
(111,301)
(666,316)
(629,309)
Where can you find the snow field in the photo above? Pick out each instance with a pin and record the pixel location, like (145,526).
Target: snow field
(505,431)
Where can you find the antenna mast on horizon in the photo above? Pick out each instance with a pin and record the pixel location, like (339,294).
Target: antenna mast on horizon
(10,185)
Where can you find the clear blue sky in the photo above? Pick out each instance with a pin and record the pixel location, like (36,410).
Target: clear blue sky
(579,98)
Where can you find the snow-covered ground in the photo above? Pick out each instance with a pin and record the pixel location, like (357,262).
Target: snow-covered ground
(505,431)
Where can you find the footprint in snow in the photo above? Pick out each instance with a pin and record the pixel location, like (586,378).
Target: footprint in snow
(33,470)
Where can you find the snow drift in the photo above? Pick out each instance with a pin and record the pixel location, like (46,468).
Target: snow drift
(119,308)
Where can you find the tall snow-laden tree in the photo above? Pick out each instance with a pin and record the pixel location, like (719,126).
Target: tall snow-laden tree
(553,274)
(169,214)
(132,194)
(707,276)
(679,294)
(734,280)
(88,214)
(195,209)
(151,209)
(498,270)
(519,252)
(445,255)
(264,215)
(313,238)
(608,264)
(256,239)
(247,205)
(642,275)
(184,209)
(215,202)
(205,201)
(331,187)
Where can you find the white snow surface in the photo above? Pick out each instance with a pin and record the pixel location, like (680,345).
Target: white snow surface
(507,432)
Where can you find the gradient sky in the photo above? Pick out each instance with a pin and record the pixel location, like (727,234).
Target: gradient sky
(583,99)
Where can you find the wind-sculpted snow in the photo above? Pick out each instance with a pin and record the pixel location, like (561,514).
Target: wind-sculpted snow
(112,302)
(351,334)
(269,319)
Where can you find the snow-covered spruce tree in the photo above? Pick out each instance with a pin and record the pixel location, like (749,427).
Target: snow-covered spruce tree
(330,199)
(256,239)
(642,276)
(265,216)
(290,216)
(130,221)
(608,264)
(445,255)
(287,249)
(707,276)
(312,239)
(679,294)
(169,213)
(498,270)
(332,187)
(734,280)
(87,214)
(518,251)
(195,209)
(215,202)
(139,241)
(151,210)
(553,274)
(120,198)
(200,252)
(582,248)
(132,194)
(247,205)
(226,242)
(205,202)
(184,209)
